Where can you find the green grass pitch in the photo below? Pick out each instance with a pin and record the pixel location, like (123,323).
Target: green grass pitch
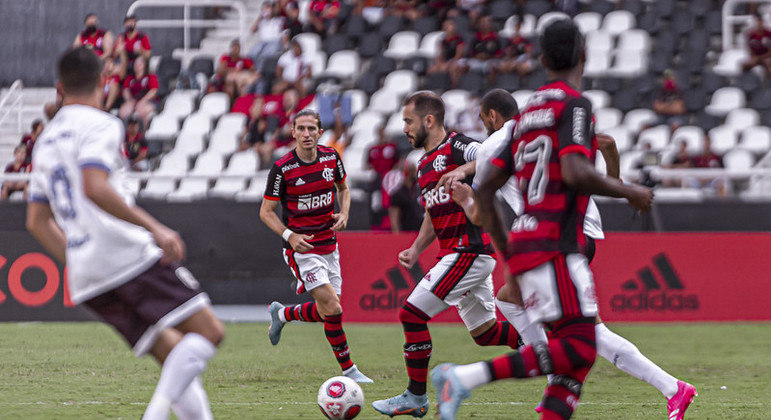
(84,371)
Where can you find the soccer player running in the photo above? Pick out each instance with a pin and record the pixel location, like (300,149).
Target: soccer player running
(463,275)
(551,153)
(304,181)
(121,262)
(496,113)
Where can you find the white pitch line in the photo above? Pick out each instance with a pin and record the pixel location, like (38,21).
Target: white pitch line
(280,403)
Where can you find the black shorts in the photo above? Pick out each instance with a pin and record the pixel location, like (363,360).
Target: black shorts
(160,298)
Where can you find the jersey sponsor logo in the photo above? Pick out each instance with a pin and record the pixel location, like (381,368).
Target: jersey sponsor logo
(435,196)
(312,202)
(440,163)
(646,294)
(328,174)
(579,119)
(277,185)
(290,167)
(327,158)
(299,182)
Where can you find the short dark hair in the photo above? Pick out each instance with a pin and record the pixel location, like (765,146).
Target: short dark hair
(88,15)
(562,44)
(129,17)
(500,101)
(80,71)
(427,103)
(308,112)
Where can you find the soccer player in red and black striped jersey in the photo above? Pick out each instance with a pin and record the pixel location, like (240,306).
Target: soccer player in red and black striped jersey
(305,182)
(463,275)
(551,153)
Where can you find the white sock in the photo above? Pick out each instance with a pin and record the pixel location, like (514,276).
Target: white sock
(281,316)
(186,360)
(193,404)
(473,375)
(531,332)
(625,355)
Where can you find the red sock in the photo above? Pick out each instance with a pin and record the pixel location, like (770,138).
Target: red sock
(500,334)
(306,312)
(561,397)
(333,328)
(417,346)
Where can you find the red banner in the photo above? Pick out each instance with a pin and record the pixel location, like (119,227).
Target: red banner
(638,276)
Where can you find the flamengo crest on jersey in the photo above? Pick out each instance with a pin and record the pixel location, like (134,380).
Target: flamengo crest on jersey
(453,230)
(307,194)
(556,121)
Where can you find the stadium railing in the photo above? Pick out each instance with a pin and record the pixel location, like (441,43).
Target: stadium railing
(730,20)
(13,101)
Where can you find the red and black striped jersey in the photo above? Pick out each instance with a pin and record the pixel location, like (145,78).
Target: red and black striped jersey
(453,229)
(94,40)
(556,121)
(307,193)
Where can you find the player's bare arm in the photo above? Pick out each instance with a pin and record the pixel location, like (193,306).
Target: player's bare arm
(579,173)
(609,151)
(344,198)
(42,225)
(485,201)
(98,189)
(426,235)
(268,215)
(458,174)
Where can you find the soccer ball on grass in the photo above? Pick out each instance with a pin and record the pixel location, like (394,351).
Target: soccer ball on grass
(340,398)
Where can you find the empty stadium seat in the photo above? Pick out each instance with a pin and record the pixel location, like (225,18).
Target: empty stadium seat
(256,188)
(318,60)
(241,163)
(738,160)
(402,45)
(547,18)
(629,64)
(692,136)
(223,143)
(189,143)
(214,104)
(742,118)
(588,21)
(730,62)
(429,45)
(599,98)
(395,125)
(657,137)
(309,41)
(722,139)
(756,139)
(171,164)
(197,123)
(634,40)
(618,21)
(597,63)
(456,101)
(621,135)
(193,188)
(202,64)
(606,118)
(343,64)
(367,120)
(358,100)
(178,105)
(162,126)
(401,82)
(599,40)
(384,101)
(724,100)
(629,161)
(232,122)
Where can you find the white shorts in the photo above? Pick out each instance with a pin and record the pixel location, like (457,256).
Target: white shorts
(461,280)
(559,288)
(313,270)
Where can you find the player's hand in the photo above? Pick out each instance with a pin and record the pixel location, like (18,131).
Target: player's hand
(170,242)
(640,197)
(456,175)
(462,194)
(299,242)
(341,221)
(408,258)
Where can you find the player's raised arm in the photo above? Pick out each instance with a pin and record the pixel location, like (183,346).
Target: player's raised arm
(609,151)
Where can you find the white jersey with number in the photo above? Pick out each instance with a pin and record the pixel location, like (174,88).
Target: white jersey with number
(510,192)
(103,251)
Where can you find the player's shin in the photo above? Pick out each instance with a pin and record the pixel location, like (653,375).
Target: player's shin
(193,404)
(186,360)
(501,333)
(305,312)
(417,346)
(333,329)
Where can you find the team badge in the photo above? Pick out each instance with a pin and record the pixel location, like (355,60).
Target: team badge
(440,163)
(328,174)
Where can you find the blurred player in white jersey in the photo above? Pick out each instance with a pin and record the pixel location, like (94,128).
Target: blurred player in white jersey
(122,262)
(497,109)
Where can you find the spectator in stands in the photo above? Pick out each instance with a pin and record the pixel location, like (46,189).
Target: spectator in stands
(28,140)
(238,71)
(759,45)
(709,159)
(290,105)
(140,93)
(132,43)
(322,16)
(98,39)
(450,51)
(271,32)
(682,159)
(405,9)
(254,134)
(113,74)
(135,145)
(293,71)
(290,11)
(669,103)
(340,139)
(383,156)
(518,55)
(372,11)
(19,165)
(404,210)
(474,9)
(217,80)
(468,122)
(484,53)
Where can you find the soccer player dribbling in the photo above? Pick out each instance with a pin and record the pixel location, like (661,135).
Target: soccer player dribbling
(551,152)
(305,181)
(463,275)
(122,263)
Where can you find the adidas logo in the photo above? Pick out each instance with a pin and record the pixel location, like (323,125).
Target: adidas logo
(645,293)
(299,182)
(391,292)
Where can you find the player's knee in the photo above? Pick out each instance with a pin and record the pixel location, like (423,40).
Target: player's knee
(412,315)
(217,334)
